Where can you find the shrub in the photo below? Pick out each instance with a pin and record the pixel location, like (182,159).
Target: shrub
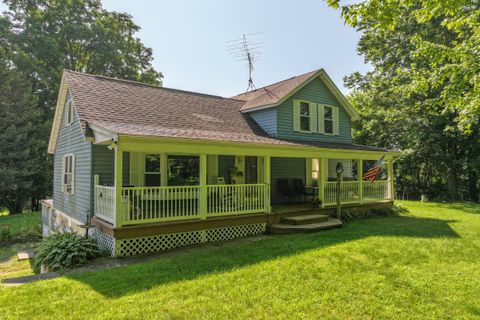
(5,232)
(64,251)
(29,235)
(348,215)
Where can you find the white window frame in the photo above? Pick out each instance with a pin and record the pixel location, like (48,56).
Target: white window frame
(331,119)
(69,116)
(159,173)
(302,116)
(68,169)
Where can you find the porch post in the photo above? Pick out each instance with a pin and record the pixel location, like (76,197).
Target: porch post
(321,180)
(203,186)
(266,180)
(118,187)
(390,179)
(360,179)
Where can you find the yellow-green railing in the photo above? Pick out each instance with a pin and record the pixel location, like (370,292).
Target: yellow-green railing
(375,191)
(348,192)
(104,203)
(237,199)
(156,204)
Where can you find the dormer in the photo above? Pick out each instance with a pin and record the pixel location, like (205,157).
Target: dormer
(308,107)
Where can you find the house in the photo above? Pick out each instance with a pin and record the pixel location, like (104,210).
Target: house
(154,168)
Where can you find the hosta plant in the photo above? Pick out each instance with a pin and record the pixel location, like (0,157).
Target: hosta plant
(67,250)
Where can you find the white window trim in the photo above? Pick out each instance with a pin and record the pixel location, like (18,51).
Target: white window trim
(159,173)
(72,169)
(332,119)
(70,115)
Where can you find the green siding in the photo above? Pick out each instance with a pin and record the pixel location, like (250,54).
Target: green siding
(285,168)
(317,92)
(71,140)
(104,165)
(267,120)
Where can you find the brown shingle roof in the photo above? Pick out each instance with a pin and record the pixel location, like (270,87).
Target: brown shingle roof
(132,108)
(272,94)
(139,109)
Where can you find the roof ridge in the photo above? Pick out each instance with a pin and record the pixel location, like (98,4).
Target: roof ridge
(278,82)
(132,82)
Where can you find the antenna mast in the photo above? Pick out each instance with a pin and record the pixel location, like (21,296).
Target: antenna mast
(247,51)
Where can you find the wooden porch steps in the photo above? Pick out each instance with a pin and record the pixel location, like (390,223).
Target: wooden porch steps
(305,223)
(305,219)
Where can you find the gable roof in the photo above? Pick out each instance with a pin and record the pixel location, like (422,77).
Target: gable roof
(122,107)
(275,94)
(127,107)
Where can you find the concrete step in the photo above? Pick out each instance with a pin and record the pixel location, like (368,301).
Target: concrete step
(317,226)
(305,219)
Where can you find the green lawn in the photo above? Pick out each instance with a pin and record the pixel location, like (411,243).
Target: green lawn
(9,265)
(31,220)
(421,265)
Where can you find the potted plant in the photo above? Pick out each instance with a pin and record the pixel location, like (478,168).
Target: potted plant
(235,173)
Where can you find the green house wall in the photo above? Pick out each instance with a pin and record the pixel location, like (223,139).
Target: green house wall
(315,91)
(72,140)
(285,168)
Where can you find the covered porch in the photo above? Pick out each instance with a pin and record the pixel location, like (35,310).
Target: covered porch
(140,181)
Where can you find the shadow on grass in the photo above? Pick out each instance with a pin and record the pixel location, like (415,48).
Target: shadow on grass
(200,262)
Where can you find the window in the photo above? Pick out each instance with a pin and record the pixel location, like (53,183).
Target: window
(68,174)
(183,170)
(152,170)
(304,116)
(69,112)
(328,119)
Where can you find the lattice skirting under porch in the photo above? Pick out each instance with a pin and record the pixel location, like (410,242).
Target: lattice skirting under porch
(142,245)
(105,242)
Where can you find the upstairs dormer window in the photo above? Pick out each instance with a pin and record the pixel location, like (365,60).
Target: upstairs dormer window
(69,112)
(328,119)
(304,116)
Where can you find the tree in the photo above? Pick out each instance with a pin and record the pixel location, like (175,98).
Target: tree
(19,133)
(47,36)
(422,95)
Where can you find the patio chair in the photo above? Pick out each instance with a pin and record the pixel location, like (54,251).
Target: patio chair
(284,189)
(298,189)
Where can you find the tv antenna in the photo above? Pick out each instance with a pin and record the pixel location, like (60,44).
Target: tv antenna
(248,52)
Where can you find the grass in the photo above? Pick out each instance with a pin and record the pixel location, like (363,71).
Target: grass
(9,265)
(22,221)
(421,265)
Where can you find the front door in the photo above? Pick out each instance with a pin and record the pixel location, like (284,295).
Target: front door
(251,170)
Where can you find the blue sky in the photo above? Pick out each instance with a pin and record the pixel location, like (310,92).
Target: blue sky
(189,37)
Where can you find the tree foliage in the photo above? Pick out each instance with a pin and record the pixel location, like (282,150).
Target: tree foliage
(423,94)
(43,37)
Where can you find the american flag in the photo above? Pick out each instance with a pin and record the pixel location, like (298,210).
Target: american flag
(374,171)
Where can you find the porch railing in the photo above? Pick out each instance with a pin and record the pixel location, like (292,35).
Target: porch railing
(348,192)
(236,199)
(156,204)
(104,205)
(378,190)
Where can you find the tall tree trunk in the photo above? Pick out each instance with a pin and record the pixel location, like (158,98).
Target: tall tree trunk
(452,183)
(473,191)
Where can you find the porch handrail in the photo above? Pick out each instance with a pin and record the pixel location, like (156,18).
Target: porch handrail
(233,199)
(348,192)
(374,191)
(104,203)
(158,204)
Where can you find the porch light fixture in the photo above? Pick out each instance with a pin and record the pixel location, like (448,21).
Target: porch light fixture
(112,145)
(339,168)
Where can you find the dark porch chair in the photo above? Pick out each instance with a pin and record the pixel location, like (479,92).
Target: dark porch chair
(284,189)
(298,189)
